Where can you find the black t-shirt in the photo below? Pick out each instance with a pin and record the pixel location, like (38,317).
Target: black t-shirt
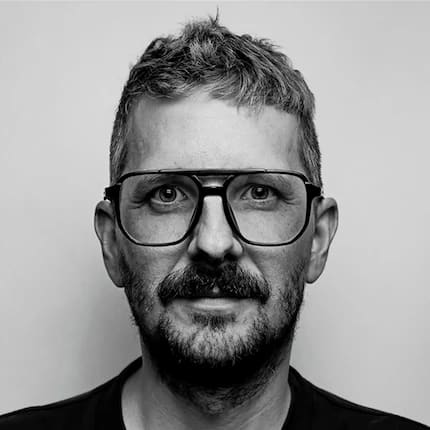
(100,409)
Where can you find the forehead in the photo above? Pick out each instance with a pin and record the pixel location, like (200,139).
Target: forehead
(198,132)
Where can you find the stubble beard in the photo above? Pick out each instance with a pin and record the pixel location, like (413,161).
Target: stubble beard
(212,366)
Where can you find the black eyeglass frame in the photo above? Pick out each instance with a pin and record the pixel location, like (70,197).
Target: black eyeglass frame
(113,194)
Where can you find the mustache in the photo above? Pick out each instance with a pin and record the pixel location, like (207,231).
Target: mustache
(229,280)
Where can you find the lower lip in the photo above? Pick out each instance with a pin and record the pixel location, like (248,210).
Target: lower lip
(214,304)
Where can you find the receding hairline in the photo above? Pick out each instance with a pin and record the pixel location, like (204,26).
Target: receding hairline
(238,69)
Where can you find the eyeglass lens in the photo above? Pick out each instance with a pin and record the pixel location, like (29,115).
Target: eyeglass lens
(268,208)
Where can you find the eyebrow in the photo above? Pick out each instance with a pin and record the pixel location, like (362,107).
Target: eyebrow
(156,178)
(151,178)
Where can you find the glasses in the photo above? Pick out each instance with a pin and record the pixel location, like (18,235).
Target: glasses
(263,207)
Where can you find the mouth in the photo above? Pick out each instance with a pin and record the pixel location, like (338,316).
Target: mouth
(214,304)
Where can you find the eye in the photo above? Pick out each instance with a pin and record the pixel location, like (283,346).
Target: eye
(259,192)
(168,194)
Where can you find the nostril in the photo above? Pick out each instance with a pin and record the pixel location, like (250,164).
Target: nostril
(210,263)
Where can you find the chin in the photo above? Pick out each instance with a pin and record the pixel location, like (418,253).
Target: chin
(213,339)
(212,351)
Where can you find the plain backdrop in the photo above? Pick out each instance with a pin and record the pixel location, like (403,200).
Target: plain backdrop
(364,329)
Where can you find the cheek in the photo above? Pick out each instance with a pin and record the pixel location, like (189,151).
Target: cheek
(279,265)
(151,264)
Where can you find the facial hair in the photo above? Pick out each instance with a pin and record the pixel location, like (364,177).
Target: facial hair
(212,366)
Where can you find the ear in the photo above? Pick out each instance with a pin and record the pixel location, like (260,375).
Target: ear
(326,218)
(105,226)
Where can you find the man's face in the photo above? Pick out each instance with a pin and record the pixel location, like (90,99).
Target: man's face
(202,133)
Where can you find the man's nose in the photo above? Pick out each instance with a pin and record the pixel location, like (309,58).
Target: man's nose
(213,238)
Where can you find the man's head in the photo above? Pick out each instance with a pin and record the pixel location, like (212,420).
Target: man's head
(215,283)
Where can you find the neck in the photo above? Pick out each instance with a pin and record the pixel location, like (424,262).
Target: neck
(150,404)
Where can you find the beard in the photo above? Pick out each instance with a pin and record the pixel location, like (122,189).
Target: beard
(209,362)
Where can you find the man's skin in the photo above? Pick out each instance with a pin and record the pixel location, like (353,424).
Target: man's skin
(200,133)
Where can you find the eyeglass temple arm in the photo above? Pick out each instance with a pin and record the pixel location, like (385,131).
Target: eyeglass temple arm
(313,190)
(111,193)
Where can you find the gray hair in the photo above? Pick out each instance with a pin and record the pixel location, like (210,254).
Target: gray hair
(244,70)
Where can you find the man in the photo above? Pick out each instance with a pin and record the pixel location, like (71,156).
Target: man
(213,223)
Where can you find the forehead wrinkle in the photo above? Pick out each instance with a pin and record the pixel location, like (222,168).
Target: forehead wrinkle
(146,135)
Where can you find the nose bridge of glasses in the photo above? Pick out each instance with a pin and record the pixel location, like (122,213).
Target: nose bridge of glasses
(212,210)
(213,233)
(213,190)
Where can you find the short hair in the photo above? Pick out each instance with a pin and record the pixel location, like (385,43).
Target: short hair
(241,69)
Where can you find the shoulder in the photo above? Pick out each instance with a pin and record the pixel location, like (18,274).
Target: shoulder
(331,411)
(99,408)
(358,416)
(73,413)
